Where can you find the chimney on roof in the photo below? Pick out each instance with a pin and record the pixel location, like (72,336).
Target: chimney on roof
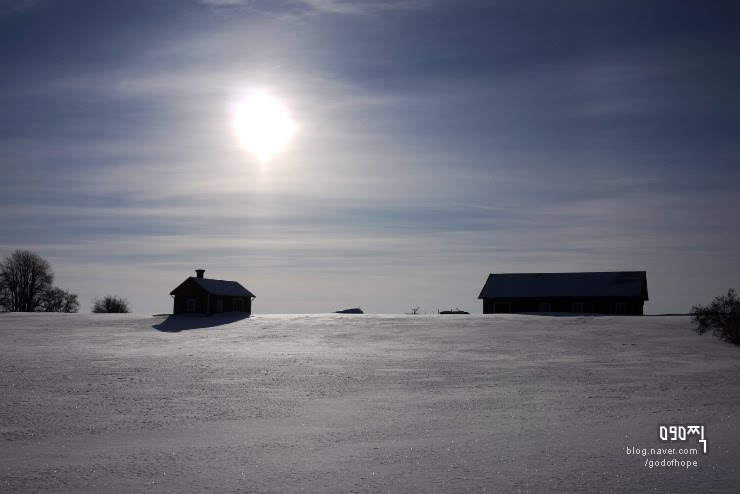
(199,272)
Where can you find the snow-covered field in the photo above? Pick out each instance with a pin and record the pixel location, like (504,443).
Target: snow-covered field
(329,403)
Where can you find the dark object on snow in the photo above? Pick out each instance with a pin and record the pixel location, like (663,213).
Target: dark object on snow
(207,296)
(356,310)
(620,292)
(456,311)
(722,316)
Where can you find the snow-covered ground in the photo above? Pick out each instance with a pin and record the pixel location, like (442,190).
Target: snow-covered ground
(330,403)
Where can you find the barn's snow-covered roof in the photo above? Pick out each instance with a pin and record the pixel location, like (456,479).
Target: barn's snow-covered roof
(546,285)
(221,287)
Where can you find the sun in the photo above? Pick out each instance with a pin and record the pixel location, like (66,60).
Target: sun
(263,125)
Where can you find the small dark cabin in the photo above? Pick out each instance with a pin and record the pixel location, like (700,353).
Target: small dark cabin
(206,296)
(619,292)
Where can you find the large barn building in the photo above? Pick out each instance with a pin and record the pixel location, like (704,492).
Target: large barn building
(206,296)
(620,292)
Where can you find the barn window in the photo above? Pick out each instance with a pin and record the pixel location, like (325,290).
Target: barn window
(545,307)
(576,307)
(620,308)
(191,305)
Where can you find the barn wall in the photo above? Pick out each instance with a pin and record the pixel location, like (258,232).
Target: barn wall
(633,306)
(186,291)
(228,303)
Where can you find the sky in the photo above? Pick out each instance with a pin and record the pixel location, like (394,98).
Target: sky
(435,142)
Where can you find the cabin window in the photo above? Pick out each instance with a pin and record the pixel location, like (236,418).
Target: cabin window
(545,307)
(219,305)
(620,308)
(238,305)
(191,305)
(502,308)
(576,307)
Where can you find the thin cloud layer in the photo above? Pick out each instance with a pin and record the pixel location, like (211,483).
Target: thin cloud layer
(8,7)
(352,7)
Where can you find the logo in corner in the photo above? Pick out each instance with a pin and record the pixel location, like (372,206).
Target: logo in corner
(682,433)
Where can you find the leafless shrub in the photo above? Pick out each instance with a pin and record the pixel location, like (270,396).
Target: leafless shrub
(722,317)
(110,304)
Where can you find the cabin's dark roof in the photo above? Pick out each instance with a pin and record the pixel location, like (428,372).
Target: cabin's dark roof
(220,287)
(551,285)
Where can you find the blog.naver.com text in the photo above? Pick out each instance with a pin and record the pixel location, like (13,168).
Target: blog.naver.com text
(664,457)
(674,457)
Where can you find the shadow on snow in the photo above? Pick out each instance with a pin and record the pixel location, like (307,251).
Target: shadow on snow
(182,322)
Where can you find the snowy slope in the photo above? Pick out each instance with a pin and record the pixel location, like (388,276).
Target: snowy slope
(334,403)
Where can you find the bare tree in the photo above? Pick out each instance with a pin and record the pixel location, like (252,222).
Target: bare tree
(58,300)
(24,279)
(110,304)
(722,317)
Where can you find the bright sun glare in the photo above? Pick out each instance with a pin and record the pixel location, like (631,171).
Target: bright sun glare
(263,125)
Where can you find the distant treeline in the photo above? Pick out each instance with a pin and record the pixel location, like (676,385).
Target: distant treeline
(27,285)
